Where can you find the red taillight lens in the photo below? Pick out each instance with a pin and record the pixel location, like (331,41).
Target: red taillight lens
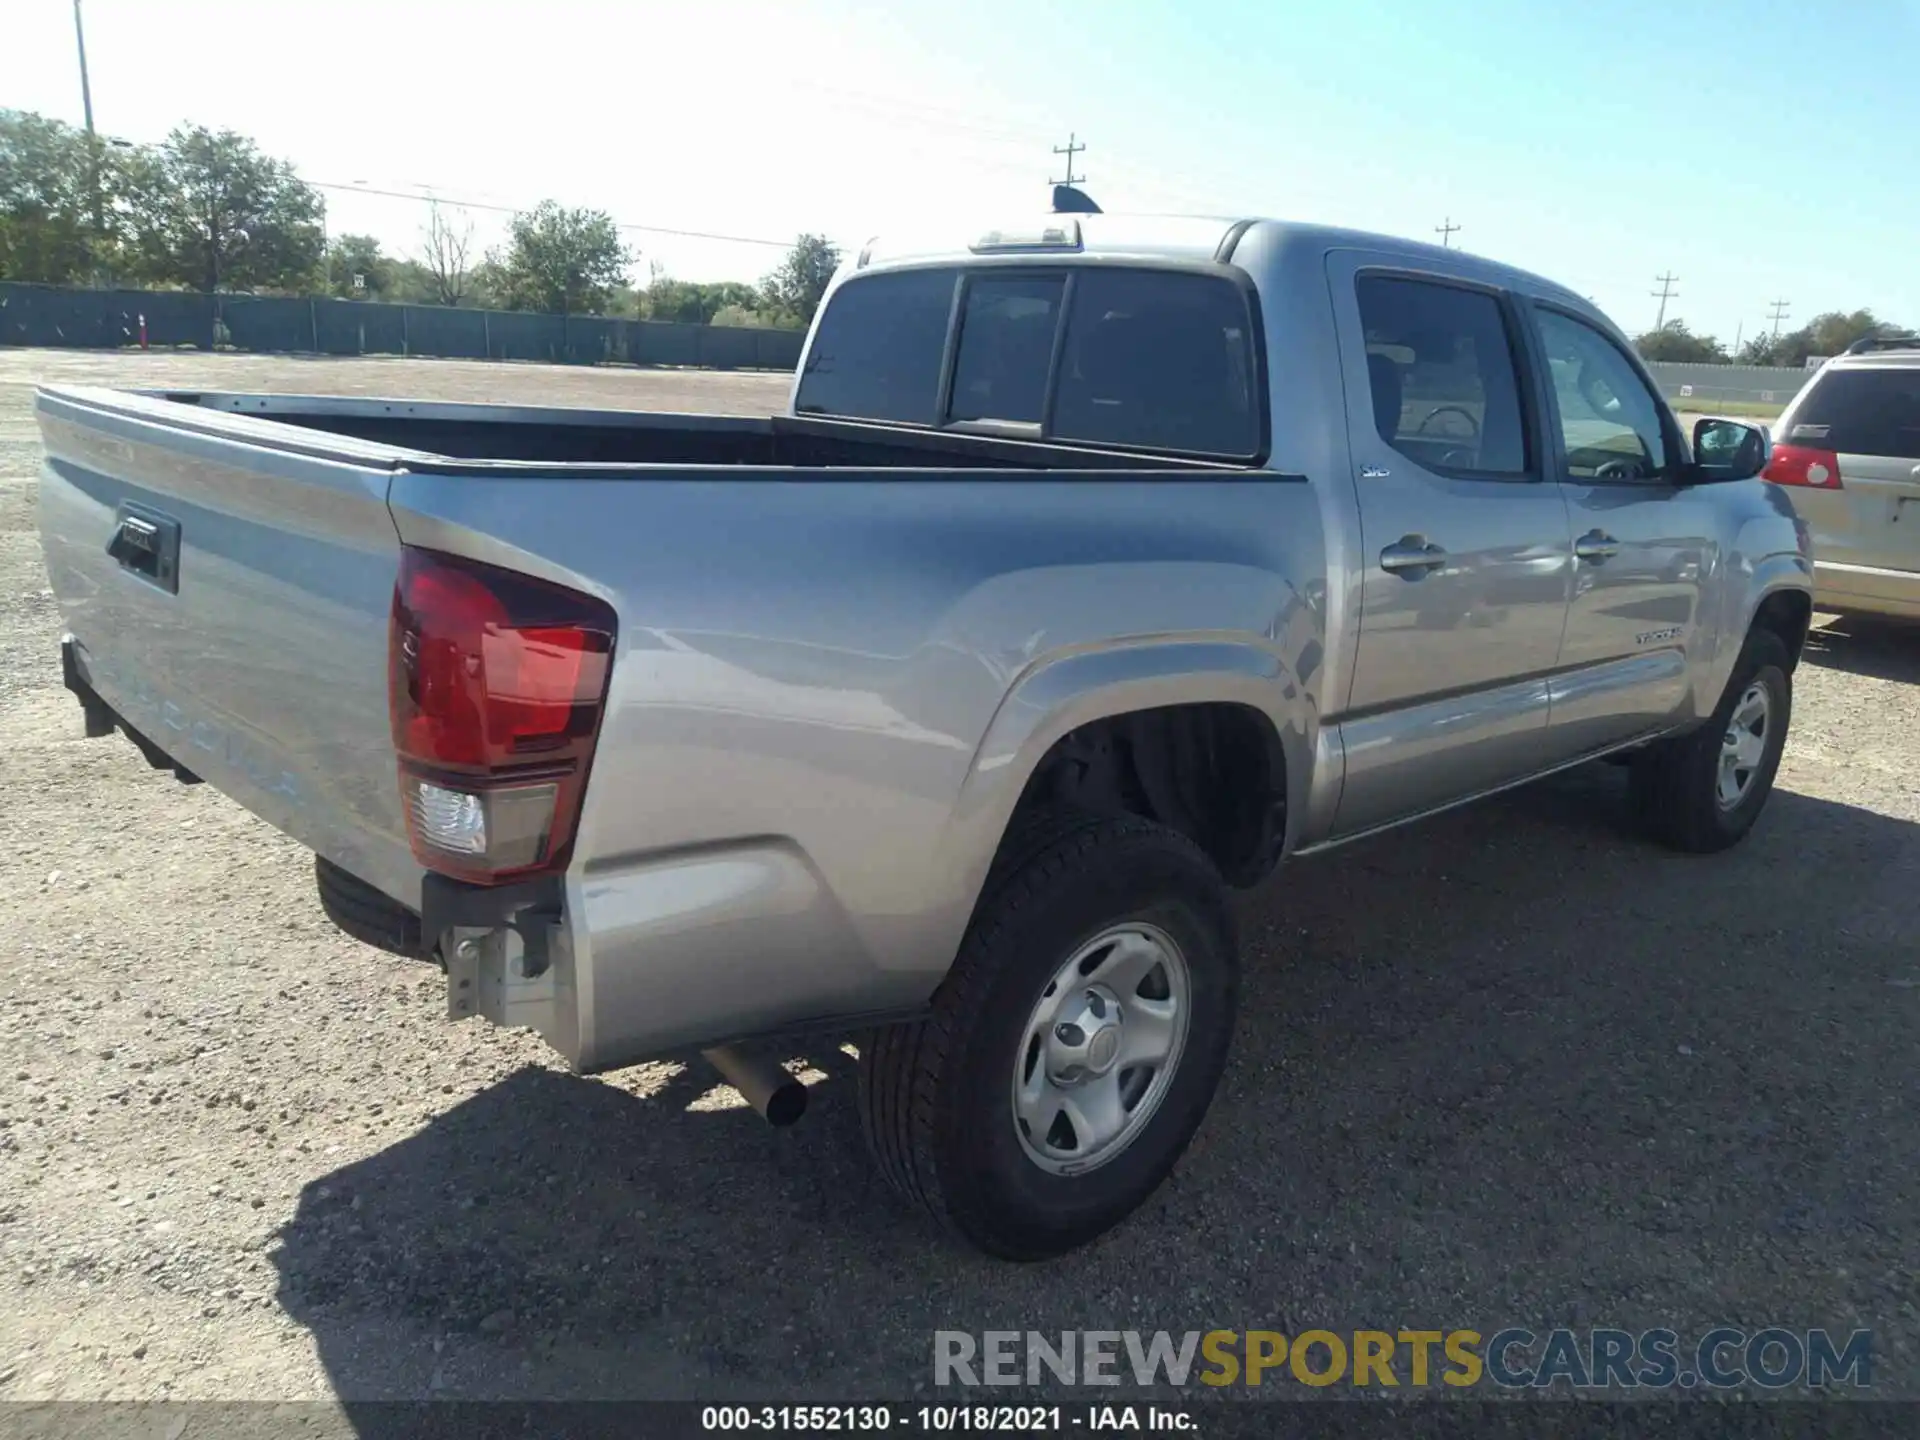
(1802,465)
(496,682)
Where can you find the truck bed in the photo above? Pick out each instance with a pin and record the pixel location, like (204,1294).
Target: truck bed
(805,651)
(564,436)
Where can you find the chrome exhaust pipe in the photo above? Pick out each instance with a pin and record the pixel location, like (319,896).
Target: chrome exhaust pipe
(768,1087)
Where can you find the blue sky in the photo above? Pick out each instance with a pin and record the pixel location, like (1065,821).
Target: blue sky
(1757,150)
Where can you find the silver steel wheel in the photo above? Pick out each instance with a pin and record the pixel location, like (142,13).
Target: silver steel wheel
(1742,747)
(1100,1049)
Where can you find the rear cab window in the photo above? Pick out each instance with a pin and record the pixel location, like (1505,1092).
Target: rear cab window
(877,353)
(1114,356)
(1006,346)
(1861,412)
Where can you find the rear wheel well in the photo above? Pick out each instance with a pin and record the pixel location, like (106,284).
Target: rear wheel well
(1214,772)
(1787,614)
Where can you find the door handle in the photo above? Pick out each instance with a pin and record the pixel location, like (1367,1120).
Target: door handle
(1596,545)
(1411,557)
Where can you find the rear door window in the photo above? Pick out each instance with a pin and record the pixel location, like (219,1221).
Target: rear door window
(1862,412)
(1159,360)
(878,351)
(1007,325)
(1440,367)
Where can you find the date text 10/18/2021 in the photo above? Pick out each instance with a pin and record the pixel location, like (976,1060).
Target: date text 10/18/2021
(946,1419)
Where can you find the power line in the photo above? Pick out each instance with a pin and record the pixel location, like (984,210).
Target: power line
(1446,233)
(1779,313)
(1666,292)
(1070,149)
(358,189)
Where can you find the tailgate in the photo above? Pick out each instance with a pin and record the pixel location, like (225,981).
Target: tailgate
(1875,517)
(227,582)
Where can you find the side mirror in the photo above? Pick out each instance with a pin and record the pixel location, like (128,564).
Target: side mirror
(1728,450)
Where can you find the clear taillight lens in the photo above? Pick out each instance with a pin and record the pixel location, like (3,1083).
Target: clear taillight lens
(496,683)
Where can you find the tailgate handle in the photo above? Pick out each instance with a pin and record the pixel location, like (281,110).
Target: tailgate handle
(148,544)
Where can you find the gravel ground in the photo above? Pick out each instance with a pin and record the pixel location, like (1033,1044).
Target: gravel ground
(1512,1067)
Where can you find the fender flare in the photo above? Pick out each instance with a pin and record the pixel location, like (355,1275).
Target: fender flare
(1061,693)
(1780,573)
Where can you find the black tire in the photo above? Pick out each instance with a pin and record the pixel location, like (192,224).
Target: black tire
(935,1095)
(365,913)
(1673,783)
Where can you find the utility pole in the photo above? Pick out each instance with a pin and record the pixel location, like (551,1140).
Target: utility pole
(1446,232)
(1779,314)
(1665,293)
(1070,149)
(93,141)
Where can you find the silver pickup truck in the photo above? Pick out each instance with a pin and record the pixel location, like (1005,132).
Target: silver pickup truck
(1098,566)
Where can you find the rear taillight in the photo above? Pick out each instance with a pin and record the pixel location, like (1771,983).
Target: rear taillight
(1801,465)
(495,686)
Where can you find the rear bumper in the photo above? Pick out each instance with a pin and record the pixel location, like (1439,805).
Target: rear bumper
(661,956)
(1866,589)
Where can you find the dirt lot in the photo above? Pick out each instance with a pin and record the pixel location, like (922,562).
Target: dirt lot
(1514,1067)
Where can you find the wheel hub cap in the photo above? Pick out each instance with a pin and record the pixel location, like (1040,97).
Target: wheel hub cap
(1085,1039)
(1100,1048)
(1744,745)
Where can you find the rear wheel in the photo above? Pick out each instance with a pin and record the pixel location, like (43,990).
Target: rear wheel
(1074,1048)
(1703,791)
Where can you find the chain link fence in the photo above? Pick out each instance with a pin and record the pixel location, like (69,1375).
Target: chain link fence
(47,315)
(1690,386)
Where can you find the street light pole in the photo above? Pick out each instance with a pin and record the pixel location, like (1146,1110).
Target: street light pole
(80,38)
(93,140)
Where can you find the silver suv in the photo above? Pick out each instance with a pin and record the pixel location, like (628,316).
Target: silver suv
(1849,445)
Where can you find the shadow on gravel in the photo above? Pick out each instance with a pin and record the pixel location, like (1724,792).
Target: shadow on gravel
(1513,1067)
(1865,645)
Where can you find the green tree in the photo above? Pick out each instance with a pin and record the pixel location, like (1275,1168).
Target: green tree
(1758,350)
(561,260)
(742,317)
(410,283)
(487,284)
(47,201)
(691,303)
(358,255)
(1827,334)
(793,291)
(208,210)
(1673,341)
